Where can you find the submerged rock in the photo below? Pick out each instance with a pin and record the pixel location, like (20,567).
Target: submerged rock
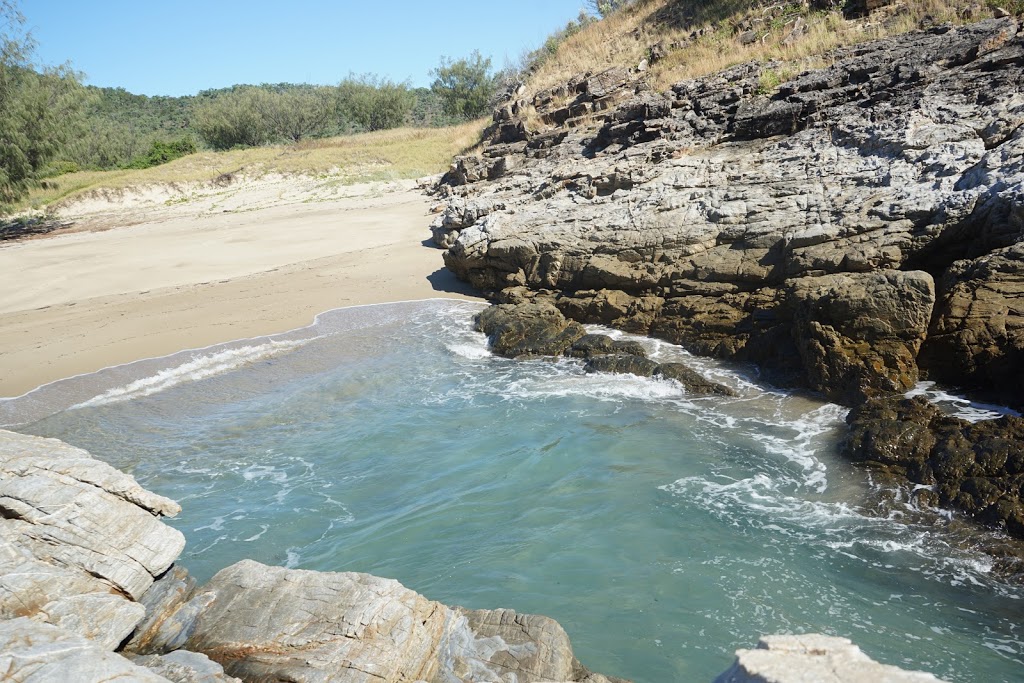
(622,363)
(694,383)
(817,658)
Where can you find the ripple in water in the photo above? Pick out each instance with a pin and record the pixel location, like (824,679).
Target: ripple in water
(662,530)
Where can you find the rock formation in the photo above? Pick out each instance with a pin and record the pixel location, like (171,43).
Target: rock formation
(88,592)
(850,230)
(822,659)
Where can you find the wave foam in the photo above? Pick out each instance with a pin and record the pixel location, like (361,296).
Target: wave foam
(199,367)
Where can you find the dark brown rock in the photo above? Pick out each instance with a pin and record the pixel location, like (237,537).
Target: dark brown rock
(692,381)
(623,364)
(532,329)
(977,468)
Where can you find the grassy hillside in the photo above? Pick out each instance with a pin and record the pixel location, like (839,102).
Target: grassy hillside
(690,38)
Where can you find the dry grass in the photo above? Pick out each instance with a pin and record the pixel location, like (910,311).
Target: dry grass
(382,155)
(625,38)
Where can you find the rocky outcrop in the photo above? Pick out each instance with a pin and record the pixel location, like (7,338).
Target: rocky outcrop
(848,230)
(80,542)
(822,659)
(31,652)
(271,623)
(87,584)
(976,467)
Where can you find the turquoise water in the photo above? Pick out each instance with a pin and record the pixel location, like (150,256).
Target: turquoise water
(661,531)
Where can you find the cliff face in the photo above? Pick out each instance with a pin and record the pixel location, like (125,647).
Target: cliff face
(850,230)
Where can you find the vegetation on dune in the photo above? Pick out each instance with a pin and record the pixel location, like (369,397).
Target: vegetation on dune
(35,107)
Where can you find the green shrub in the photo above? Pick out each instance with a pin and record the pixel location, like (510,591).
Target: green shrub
(161,152)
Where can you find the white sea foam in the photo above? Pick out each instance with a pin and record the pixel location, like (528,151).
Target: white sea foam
(959,406)
(197,368)
(471,351)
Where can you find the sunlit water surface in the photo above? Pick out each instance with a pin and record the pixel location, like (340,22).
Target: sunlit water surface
(662,531)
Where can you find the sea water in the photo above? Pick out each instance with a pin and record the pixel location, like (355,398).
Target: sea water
(662,530)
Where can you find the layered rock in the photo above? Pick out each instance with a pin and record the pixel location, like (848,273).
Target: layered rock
(822,659)
(80,541)
(264,623)
(806,229)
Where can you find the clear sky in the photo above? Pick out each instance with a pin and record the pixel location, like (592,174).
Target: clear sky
(179,47)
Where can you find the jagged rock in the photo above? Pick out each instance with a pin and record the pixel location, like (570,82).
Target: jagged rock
(69,598)
(68,509)
(692,381)
(182,666)
(32,652)
(817,658)
(264,622)
(161,601)
(590,345)
(695,215)
(858,334)
(531,329)
(977,337)
(621,363)
(976,467)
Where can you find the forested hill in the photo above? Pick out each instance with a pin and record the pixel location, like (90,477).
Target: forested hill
(121,128)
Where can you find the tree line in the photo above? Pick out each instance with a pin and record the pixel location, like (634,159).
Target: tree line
(50,123)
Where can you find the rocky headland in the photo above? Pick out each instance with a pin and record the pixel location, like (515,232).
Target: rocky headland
(850,230)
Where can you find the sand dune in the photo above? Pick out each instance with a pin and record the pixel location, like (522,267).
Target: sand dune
(148,272)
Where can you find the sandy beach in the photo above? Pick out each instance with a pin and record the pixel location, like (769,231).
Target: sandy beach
(147,272)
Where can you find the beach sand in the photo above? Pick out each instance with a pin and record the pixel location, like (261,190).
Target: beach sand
(148,272)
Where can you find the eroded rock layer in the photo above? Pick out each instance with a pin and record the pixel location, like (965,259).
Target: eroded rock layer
(850,230)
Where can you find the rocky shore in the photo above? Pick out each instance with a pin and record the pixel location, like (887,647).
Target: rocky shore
(90,591)
(851,230)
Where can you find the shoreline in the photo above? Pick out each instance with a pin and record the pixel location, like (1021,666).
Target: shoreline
(191,278)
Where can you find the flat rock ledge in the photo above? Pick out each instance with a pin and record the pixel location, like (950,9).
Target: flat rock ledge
(89,593)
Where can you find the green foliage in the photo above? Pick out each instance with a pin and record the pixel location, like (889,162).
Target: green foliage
(464,86)
(120,127)
(162,152)
(232,119)
(39,109)
(606,7)
(368,102)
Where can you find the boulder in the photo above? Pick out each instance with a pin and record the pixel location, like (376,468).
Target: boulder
(32,652)
(859,334)
(182,666)
(72,510)
(161,601)
(812,657)
(977,338)
(271,623)
(590,345)
(528,329)
(622,363)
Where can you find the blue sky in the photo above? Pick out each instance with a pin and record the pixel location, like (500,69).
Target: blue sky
(184,46)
